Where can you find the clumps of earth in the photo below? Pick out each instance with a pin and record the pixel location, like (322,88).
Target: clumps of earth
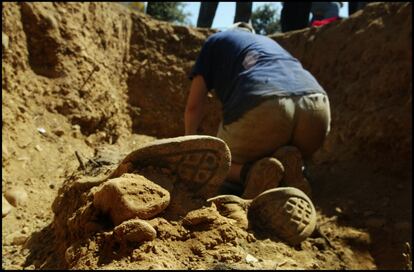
(140,214)
(84,84)
(136,216)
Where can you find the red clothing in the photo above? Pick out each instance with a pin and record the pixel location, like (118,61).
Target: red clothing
(324,21)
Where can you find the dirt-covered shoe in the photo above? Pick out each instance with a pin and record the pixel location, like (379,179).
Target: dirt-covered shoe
(233,207)
(201,162)
(291,158)
(286,212)
(264,174)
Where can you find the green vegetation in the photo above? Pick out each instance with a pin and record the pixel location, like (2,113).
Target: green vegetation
(265,20)
(168,11)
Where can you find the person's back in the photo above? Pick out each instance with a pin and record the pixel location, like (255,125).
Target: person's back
(243,68)
(274,111)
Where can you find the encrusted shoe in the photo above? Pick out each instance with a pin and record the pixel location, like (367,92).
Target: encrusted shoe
(291,159)
(286,212)
(264,174)
(233,207)
(201,162)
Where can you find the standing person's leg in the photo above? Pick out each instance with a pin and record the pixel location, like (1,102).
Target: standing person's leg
(295,15)
(206,14)
(352,7)
(243,12)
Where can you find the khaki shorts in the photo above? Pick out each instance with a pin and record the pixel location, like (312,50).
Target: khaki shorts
(302,121)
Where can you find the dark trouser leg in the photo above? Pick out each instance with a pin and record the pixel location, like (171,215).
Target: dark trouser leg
(355,6)
(206,14)
(295,15)
(352,7)
(243,12)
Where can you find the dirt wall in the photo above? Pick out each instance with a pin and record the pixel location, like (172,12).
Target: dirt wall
(83,84)
(365,65)
(141,85)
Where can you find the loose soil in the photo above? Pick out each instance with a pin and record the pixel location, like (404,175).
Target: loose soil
(91,82)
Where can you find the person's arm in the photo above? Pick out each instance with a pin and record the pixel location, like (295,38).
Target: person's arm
(195,108)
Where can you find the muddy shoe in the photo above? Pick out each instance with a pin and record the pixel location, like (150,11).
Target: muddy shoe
(201,162)
(233,207)
(291,159)
(263,175)
(286,212)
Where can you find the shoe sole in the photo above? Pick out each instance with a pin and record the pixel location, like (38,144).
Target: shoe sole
(265,174)
(291,159)
(201,162)
(233,207)
(286,212)
(227,199)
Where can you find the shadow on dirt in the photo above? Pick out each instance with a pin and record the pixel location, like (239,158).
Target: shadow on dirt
(41,247)
(364,202)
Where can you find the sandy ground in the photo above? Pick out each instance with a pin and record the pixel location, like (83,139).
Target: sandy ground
(56,104)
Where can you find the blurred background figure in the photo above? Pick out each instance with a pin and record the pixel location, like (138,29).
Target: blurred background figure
(324,12)
(295,15)
(208,11)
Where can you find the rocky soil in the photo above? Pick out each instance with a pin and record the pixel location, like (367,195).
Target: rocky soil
(84,84)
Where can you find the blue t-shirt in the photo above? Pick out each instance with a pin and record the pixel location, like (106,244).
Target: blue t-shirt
(243,68)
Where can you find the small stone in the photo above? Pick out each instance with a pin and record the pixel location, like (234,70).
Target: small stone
(25,230)
(4,41)
(16,238)
(51,21)
(320,244)
(135,230)
(131,196)
(58,132)
(19,239)
(155,267)
(5,206)
(16,196)
(250,259)
(70,254)
(41,130)
(202,216)
(320,256)
(250,238)
(175,37)
(76,127)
